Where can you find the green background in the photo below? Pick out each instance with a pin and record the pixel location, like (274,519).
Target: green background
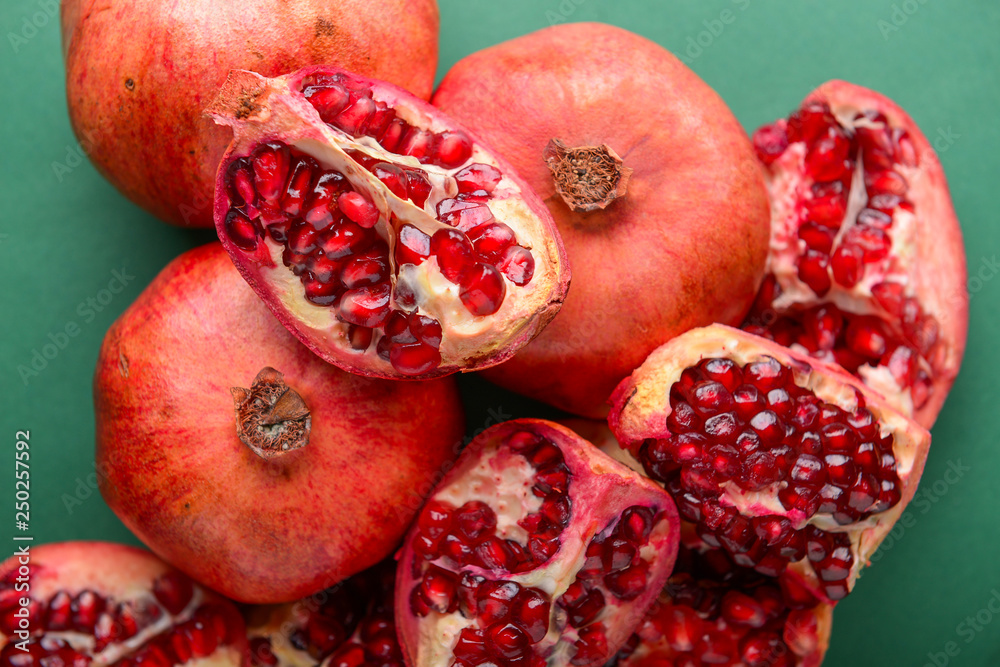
(65,231)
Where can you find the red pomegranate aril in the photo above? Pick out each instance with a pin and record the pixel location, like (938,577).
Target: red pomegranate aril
(873,242)
(270,166)
(174,591)
(302,239)
(454,254)
(770,141)
(380,120)
(299,182)
(518,265)
(813,271)
(848,264)
(817,237)
(491,240)
(495,599)
(354,117)
(478,176)
(246,234)
(806,124)
(366,306)
(531,611)
(393,134)
(826,159)
(393,177)
(419,186)
(328,100)
(482,289)
(866,337)
(453,150)
(358,208)
(418,143)
(239,176)
(366,268)
(464,215)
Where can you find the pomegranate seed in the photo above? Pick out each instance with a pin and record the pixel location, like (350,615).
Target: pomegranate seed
(475,519)
(328,100)
(58,616)
(393,134)
(742,610)
(353,118)
(418,143)
(506,641)
(366,306)
(419,186)
(478,176)
(715,650)
(873,242)
(865,336)
(358,208)
(826,159)
(320,207)
(482,290)
(299,182)
(438,587)
(848,265)
(367,268)
(243,232)
(491,240)
(453,252)
(807,123)
(813,271)
(518,265)
(531,612)
(495,600)
(453,150)
(770,141)
(885,182)
(629,583)
(464,215)
(271,162)
(379,122)
(817,237)
(393,178)
(413,247)
(592,646)
(345,239)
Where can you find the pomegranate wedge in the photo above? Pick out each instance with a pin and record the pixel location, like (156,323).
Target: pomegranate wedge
(536,549)
(789,464)
(866,266)
(381,233)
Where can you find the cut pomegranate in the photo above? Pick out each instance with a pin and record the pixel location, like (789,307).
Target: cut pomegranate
(228,447)
(350,624)
(866,267)
(350,205)
(714,612)
(536,549)
(73,604)
(775,457)
(652,182)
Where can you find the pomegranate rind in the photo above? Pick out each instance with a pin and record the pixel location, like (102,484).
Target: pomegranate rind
(260,109)
(641,405)
(934,266)
(684,247)
(116,572)
(597,478)
(139,74)
(175,472)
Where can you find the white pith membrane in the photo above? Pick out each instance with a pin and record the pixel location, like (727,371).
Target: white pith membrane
(122,584)
(642,407)
(503,479)
(469,340)
(789,185)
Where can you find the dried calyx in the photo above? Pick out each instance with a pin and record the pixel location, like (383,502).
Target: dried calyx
(271,417)
(587,178)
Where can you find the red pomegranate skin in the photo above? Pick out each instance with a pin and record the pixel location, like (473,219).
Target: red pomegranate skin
(140,74)
(176,473)
(687,244)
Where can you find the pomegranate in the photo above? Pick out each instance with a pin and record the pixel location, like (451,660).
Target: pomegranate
(348,625)
(866,266)
(74,604)
(383,235)
(790,465)
(139,74)
(243,459)
(536,549)
(714,612)
(713,607)
(664,215)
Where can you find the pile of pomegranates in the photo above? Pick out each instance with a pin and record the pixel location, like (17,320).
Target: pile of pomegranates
(274,416)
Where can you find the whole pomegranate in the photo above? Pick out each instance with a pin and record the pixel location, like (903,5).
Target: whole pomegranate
(73,604)
(866,266)
(384,236)
(243,459)
(652,183)
(790,465)
(536,549)
(351,624)
(139,74)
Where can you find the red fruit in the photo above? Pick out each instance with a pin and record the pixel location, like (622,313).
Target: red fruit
(411,219)
(802,485)
(555,571)
(139,74)
(710,605)
(242,458)
(102,603)
(350,623)
(890,264)
(663,233)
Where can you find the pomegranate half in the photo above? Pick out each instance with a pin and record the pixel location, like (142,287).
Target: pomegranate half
(74,604)
(789,464)
(139,74)
(383,235)
(652,183)
(242,458)
(536,549)
(866,266)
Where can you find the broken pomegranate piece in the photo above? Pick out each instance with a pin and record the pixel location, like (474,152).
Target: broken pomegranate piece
(788,464)
(866,266)
(109,604)
(536,549)
(349,624)
(382,234)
